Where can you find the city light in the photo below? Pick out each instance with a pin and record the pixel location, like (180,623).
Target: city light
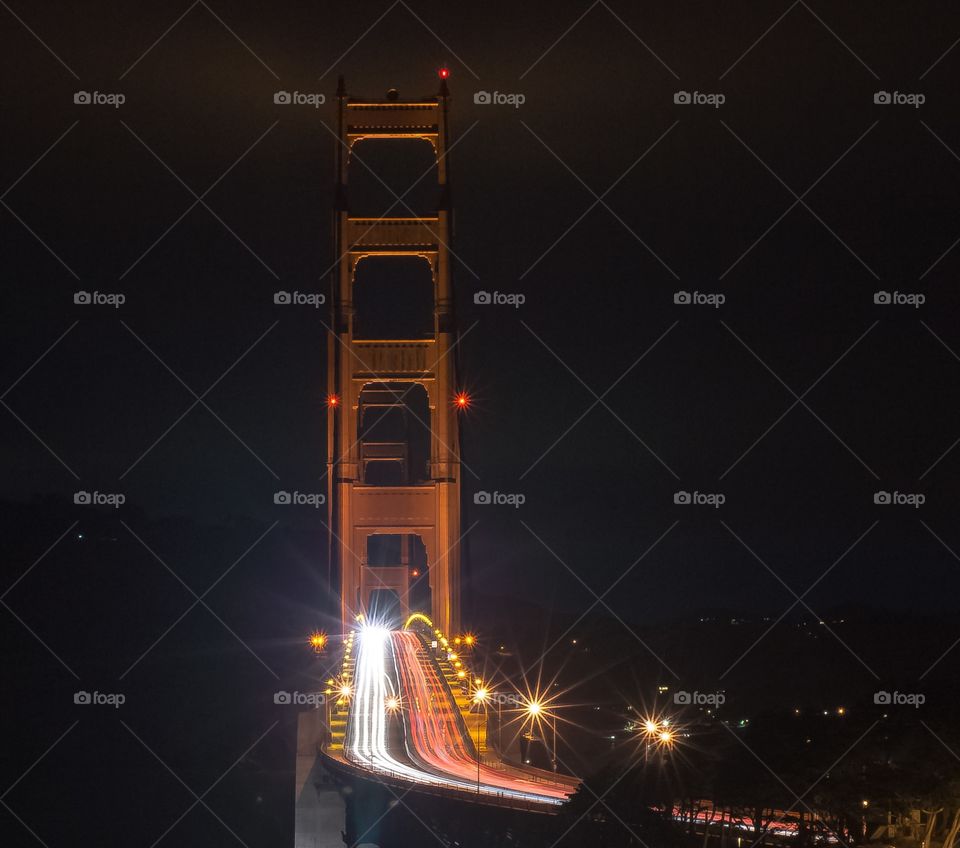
(392,703)
(462,400)
(318,641)
(444,73)
(481,695)
(333,401)
(658,731)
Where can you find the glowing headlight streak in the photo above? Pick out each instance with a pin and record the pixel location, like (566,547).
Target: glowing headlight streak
(437,742)
(368,744)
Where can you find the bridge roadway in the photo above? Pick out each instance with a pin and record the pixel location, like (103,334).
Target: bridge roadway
(424,740)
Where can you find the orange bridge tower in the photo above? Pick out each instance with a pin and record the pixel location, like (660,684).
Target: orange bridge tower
(392,444)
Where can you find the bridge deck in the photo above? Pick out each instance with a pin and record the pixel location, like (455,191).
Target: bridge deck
(423,740)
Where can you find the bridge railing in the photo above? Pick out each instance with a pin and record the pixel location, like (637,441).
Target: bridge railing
(403,782)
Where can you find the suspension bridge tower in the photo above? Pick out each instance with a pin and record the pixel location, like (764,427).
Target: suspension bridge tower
(393,501)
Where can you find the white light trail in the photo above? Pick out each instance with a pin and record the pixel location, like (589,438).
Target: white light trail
(368,743)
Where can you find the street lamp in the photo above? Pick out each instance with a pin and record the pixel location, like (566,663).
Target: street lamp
(659,733)
(480,696)
(318,641)
(537,712)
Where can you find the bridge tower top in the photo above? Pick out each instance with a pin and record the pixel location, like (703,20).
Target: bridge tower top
(363,118)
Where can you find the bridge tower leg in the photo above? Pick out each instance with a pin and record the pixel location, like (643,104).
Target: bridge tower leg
(369,374)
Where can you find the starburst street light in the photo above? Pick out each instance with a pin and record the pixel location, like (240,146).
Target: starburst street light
(536,710)
(318,641)
(480,697)
(657,734)
(658,729)
(392,703)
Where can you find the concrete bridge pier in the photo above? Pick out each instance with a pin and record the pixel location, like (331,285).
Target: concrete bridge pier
(320,805)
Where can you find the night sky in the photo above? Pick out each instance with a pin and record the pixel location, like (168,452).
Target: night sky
(599,398)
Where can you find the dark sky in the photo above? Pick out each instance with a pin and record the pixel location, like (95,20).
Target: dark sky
(798,399)
(599,85)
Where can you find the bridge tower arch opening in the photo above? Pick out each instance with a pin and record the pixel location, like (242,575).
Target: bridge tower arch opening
(381,170)
(393,298)
(392,439)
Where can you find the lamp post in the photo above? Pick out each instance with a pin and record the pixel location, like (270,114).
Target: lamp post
(480,696)
(657,733)
(553,721)
(500,727)
(650,730)
(536,712)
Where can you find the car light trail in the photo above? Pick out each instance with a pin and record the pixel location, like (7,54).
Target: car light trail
(435,753)
(437,738)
